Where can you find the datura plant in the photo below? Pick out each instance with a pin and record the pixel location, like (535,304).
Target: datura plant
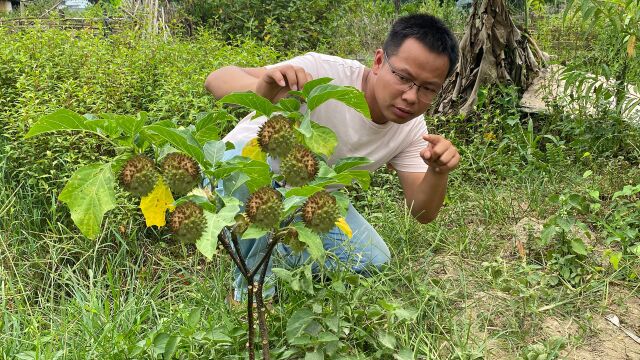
(181,178)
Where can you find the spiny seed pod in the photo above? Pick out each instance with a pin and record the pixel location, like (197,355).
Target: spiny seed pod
(276,136)
(320,212)
(292,239)
(264,207)
(139,175)
(181,173)
(299,167)
(187,222)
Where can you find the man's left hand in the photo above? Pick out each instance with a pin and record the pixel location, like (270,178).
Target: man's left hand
(440,154)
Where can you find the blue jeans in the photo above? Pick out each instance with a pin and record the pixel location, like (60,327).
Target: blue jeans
(364,250)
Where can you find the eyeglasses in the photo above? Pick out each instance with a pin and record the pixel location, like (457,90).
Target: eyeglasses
(425,94)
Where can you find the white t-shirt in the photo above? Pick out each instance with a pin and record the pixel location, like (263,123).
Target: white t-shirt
(397,144)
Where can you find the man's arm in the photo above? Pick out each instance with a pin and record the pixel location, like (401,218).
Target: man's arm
(273,83)
(232,79)
(425,192)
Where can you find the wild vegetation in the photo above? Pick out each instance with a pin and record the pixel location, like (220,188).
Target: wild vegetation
(538,240)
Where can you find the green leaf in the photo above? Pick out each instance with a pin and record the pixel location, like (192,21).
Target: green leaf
(297,323)
(214,151)
(259,172)
(322,140)
(89,194)
(171,346)
(289,104)
(292,203)
(333,321)
(208,127)
(363,177)
(62,119)
(325,171)
(160,343)
(194,317)
(327,337)
(283,274)
(615,258)
(305,126)
(578,246)
(234,182)
(130,125)
(178,140)
(316,355)
(313,241)
(635,249)
(350,162)
(343,202)
(254,232)
(103,126)
(348,95)
(404,354)
(387,339)
(304,191)
(251,100)
(309,86)
(208,243)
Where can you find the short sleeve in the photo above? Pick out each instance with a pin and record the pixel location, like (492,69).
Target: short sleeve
(308,61)
(409,159)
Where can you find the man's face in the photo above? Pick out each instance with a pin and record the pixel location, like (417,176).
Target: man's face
(407,82)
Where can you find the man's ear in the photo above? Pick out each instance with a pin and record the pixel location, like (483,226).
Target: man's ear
(378,60)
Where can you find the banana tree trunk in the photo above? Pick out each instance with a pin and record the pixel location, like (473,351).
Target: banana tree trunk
(492,50)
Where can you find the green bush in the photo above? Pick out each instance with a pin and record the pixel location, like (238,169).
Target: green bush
(297,25)
(42,70)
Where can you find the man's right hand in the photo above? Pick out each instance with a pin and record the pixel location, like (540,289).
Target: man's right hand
(275,83)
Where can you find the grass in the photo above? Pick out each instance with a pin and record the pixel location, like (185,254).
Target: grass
(470,292)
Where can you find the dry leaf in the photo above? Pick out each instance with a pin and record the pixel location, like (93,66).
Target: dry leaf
(344,227)
(252,150)
(155,205)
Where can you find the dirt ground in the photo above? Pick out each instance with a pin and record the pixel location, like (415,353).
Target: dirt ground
(606,342)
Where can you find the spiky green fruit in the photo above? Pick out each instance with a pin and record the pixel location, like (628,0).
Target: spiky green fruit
(181,173)
(320,212)
(276,137)
(187,222)
(299,167)
(139,175)
(264,207)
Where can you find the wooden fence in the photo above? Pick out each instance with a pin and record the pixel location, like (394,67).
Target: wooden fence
(106,24)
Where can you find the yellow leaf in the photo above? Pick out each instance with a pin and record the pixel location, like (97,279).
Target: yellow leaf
(346,229)
(252,150)
(631,46)
(156,203)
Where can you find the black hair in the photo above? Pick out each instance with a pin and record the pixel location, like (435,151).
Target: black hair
(429,31)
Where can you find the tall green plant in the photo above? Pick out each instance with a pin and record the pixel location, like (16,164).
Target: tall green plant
(622,18)
(296,215)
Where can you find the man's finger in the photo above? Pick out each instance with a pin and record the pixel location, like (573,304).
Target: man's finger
(292,78)
(276,75)
(447,156)
(432,138)
(426,153)
(453,163)
(301,77)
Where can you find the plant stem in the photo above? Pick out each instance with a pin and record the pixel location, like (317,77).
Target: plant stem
(227,246)
(264,333)
(250,334)
(254,289)
(272,242)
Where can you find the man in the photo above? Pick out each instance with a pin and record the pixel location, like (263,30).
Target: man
(407,73)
